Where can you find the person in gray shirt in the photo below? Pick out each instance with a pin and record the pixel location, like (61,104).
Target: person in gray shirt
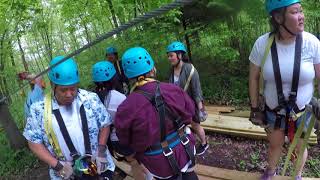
(184,74)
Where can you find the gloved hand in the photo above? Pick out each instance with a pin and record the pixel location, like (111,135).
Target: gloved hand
(101,159)
(315,103)
(257,117)
(203,115)
(64,169)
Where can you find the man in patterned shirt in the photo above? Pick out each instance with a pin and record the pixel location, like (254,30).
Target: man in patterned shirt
(68,130)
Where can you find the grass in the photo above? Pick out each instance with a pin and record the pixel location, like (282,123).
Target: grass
(14,162)
(255,158)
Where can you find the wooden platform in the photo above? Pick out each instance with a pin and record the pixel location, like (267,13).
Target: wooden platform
(239,126)
(207,172)
(213,173)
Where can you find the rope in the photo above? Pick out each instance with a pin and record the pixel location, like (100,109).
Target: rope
(157,12)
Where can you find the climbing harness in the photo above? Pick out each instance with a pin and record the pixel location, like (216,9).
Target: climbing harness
(168,142)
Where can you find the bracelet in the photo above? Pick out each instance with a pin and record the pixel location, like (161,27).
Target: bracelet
(58,166)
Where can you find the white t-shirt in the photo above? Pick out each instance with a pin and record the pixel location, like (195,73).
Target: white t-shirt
(310,55)
(71,118)
(112,101)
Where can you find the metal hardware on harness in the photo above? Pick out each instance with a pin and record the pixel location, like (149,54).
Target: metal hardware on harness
(166,154)
(158,102)
(186,142)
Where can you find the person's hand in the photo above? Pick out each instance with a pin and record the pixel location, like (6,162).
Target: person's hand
(64,169)
(203,115)
(257,117)
(315,103)
(101,159)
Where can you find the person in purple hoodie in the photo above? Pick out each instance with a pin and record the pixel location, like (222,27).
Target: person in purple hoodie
(153,121)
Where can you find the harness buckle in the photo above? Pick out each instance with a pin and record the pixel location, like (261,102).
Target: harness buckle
(282,112)
(166,154)
(184,140)
(181,127)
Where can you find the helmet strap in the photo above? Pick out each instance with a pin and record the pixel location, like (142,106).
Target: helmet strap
(179,60)
(283,23)
(285,27)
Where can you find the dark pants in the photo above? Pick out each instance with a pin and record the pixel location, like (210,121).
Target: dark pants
(185,176)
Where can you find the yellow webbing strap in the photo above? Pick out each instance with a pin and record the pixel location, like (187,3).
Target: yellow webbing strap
(189,78)
(48,125)
(304,145)
(266,52)
(141,83)
(118,66)
(295,142)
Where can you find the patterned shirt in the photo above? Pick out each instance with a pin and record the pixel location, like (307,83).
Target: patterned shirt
(97,117)
(33,96)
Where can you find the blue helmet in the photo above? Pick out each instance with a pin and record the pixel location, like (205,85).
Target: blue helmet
(103,71)
(176,46)
(111,50)
(136,61)
(275,4)
(65,73)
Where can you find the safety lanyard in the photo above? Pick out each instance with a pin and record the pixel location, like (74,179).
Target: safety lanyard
(295,76)
(266,52)
(66,136)
(48,125)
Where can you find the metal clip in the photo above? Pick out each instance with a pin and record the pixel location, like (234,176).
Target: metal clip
(169,153)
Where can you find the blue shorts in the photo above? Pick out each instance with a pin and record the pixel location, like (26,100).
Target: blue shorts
(271,120)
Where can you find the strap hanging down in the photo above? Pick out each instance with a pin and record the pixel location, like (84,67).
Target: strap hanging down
(295,76)
(66,136)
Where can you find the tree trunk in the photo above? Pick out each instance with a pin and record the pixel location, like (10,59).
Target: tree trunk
(22,55)
(2,50)
(47,43)
(186,37)
(113,14)
(16,140)
(11,54)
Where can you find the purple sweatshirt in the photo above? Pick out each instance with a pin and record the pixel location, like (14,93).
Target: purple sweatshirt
(138,127)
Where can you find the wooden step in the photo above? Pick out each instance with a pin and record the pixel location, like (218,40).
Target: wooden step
(239,126)
(208,172)
(217,109)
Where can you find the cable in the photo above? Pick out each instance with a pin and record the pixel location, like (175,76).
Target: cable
(157,12)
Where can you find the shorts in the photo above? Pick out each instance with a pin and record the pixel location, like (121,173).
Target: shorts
(281,123)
